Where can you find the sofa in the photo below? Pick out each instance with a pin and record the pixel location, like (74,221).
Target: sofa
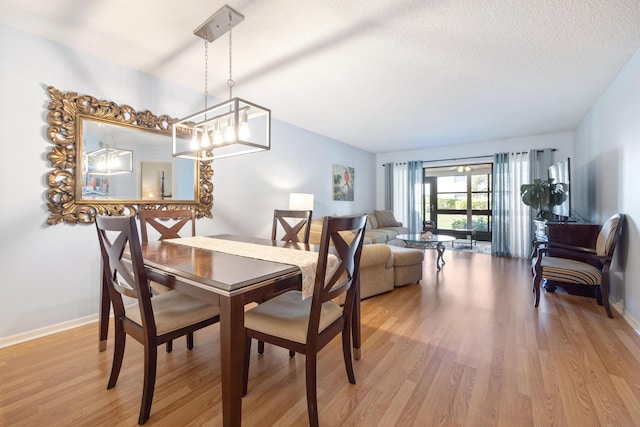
(382,227)
(382,267)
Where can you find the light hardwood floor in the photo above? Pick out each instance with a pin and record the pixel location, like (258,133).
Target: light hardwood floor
(465,347)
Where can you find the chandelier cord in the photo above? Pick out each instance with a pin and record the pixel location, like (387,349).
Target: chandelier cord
(206,69)
(230,82)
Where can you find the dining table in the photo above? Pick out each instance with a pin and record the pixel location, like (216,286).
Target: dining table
(230,281)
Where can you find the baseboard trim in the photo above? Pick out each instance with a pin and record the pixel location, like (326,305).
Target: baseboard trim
(48,330)
(632,321)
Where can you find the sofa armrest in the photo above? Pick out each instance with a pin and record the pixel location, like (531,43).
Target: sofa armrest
(376,254)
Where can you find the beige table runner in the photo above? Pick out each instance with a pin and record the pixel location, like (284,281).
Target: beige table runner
(306,261)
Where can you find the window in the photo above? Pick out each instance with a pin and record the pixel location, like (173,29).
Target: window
(459,197)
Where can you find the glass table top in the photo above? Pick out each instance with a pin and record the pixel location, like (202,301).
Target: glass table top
(417,238)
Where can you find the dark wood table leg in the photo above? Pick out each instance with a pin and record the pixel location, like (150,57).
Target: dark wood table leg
(103,316)
(232,358)
(355,323)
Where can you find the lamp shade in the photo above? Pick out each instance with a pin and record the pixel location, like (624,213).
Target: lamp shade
(300,201)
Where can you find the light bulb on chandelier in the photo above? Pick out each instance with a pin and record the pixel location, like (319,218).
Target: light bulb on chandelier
(205,142)
(229,134)
(243,131)
(217,135)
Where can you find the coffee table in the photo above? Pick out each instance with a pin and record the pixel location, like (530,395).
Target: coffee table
(466,232)
(436,241)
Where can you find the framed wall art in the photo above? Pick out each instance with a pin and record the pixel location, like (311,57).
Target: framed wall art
(343,179)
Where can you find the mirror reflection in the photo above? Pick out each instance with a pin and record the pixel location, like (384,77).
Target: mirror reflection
(124,163)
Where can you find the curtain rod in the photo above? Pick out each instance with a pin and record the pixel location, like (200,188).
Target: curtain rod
(448,160)
(453,159)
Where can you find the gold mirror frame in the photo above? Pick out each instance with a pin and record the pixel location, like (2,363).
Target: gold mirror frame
(65,111)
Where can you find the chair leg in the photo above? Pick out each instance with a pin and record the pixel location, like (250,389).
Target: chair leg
(169,346)
(261,349)
(190,340)
(604,289)
(245,372)
(150,363)
(312,397)
(598,294)
(346,353)
(118,354)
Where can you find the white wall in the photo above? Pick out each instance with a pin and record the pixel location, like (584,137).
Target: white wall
(607,149)
(50,273)
(562,142)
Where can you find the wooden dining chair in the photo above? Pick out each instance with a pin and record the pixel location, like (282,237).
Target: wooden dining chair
(307,325)
(293,223)
(167,224)
(158,220)
(577,265)
(151,321)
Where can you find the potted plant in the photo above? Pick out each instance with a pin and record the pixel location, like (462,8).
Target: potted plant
(543,196)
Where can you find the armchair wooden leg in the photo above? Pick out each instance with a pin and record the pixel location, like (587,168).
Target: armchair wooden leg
(169,346)
(604,288)
(190,340)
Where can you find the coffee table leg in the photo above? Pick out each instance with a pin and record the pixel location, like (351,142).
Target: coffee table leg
(440,260)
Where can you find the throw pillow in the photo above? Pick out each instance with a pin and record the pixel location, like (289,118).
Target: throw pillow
(373,220)
(386,219)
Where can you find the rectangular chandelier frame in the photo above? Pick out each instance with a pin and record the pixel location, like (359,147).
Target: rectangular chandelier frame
(243,127)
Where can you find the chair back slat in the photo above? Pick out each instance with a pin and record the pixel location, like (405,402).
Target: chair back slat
(156,219)
(296,225)
(124,276)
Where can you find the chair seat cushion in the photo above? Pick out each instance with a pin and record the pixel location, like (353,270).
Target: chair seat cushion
(287,316)
(174,310)
(570,271)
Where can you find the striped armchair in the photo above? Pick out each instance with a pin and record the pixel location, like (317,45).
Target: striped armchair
(576,265)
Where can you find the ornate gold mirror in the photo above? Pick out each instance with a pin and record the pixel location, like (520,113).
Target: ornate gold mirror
(108,159)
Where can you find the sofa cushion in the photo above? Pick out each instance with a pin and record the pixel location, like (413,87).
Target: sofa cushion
(373,220)
(376,235)
(389,233)
(376,271)
(407,265)
(403,257)
(386,219)
(376,255)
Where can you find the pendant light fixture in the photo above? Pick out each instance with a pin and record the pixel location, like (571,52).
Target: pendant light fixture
(230,128)
(108,161)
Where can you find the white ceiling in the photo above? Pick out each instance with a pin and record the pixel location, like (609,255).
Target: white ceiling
(380,75)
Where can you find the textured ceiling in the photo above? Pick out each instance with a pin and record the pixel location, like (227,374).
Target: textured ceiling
(380,75)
